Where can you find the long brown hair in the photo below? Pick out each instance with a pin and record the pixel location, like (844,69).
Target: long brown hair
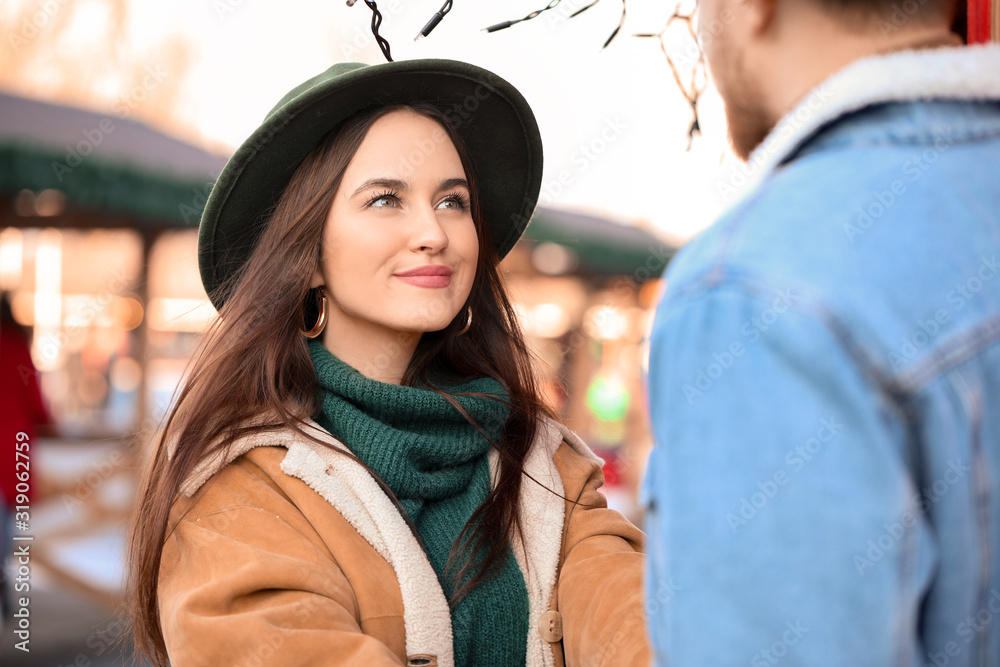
(256,344)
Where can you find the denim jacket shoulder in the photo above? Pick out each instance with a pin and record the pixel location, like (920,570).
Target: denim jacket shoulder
(883,223)
(873,214)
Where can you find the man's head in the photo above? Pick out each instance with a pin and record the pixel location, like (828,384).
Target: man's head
(765,55)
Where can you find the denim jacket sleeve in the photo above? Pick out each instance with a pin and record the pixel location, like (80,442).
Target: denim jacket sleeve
(782,523)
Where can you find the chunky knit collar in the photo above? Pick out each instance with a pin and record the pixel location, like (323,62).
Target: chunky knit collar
(412,437)
(435,462)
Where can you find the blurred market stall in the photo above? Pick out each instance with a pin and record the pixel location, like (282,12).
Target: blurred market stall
(85,201)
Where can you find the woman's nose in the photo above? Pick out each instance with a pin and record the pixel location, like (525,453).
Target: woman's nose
(428,233)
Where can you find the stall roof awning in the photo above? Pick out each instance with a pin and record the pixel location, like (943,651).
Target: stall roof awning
(103,161)
(120,167)
(603,246)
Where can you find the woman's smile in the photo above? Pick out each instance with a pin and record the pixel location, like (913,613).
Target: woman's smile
(431,275)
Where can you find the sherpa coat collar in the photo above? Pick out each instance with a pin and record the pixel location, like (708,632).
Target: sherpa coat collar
(353,492)
(964,73)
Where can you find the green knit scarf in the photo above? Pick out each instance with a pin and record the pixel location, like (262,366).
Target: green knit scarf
(435,462)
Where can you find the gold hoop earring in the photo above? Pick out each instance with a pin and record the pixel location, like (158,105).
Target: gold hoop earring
(468,323)
(321,321)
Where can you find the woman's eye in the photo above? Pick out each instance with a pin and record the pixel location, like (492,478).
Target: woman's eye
(384,201)
(455,202)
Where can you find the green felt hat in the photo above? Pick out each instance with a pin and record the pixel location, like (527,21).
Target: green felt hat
(490,115)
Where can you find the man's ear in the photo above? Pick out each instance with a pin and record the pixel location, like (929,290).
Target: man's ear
(760,14)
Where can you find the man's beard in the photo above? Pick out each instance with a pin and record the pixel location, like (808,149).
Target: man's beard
(749,122)
(748,127)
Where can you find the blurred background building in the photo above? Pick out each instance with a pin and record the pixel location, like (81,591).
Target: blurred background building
(116,118)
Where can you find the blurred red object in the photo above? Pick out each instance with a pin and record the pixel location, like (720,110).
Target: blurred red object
(21,406)
(611,476)
(980,12)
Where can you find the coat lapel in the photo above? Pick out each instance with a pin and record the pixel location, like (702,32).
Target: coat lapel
(354,493)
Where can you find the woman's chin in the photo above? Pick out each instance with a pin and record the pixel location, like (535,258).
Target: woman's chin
(418,326)
(424,320)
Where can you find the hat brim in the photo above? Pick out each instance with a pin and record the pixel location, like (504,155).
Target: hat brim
(488,113)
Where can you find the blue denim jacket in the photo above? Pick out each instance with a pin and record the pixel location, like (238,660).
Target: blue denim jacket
(824,387)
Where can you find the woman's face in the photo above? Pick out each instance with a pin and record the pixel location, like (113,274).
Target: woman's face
(399,247)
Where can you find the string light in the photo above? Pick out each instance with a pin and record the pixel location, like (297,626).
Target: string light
(506,24)
(433,21)
(693,92)
(614,33)
(383,43)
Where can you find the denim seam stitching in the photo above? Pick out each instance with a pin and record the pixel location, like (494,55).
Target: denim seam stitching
(965,138)
(950,353)
(717,272)
(873,374)
(907,569)
(972,399)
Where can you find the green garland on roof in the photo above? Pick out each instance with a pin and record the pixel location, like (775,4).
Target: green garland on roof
(150,197)
(100,184)
(641,261)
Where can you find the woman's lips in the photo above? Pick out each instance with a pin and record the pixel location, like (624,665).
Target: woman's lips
(426,281)
(431,275)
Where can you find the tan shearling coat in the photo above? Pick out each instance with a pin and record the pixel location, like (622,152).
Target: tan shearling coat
(288,553)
